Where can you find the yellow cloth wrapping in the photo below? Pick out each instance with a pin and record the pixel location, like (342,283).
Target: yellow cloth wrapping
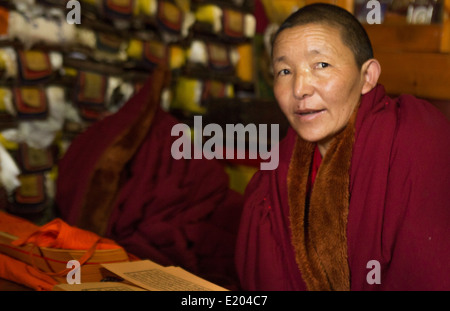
(188,95)
(244,67)
(278,11)
(145,7)
(210,14)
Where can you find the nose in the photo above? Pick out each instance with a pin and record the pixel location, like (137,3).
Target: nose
(303,84)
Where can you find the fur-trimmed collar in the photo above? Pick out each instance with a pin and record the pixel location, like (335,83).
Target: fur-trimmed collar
(319,226)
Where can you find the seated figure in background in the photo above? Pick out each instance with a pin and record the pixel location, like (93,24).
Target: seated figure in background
(119,180)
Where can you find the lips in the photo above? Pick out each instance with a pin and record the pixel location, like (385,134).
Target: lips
(309,114)
(308,111)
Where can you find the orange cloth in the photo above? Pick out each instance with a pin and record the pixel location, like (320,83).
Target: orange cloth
(15,225)
(55,234)
(58,234)
(19,272)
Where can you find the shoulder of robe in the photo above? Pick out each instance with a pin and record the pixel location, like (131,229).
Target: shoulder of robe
(421,128)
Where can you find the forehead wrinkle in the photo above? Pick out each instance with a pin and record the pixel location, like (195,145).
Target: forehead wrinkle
(326,51)
(279,59)
(317,43)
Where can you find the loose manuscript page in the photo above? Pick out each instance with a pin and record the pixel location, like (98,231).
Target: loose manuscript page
(97,286)
(154,277)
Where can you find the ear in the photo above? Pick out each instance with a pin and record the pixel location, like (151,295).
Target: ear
(370,72)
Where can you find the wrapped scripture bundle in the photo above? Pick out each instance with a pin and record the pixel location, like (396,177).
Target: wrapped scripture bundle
(8,63)
(188,95)
(31,27)
(31,103)
(228,22)
(174,20)
(214,55)
(38,66)
(8,114)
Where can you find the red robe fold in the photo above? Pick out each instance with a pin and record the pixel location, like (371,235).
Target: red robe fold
(399,209)
(174,212)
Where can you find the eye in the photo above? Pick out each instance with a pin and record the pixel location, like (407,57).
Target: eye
(322,65)
(283,72)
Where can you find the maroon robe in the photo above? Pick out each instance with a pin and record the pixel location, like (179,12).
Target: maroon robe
(174,212)
(399,209)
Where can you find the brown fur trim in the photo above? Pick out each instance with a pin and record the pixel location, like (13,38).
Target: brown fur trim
(319,230)
(105,180)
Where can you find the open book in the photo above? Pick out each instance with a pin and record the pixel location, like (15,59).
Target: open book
(144,275)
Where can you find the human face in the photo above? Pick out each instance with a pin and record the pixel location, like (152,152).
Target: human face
(316,81)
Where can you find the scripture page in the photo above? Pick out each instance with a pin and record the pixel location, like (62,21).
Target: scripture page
(154,277)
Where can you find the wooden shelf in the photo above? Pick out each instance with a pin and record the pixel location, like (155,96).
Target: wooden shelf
(403,37)
(414,59)
(425,75)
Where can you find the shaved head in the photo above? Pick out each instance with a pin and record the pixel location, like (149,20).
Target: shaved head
(352,32)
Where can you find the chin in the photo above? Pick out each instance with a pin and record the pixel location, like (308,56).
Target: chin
(311,133)
(310,137)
